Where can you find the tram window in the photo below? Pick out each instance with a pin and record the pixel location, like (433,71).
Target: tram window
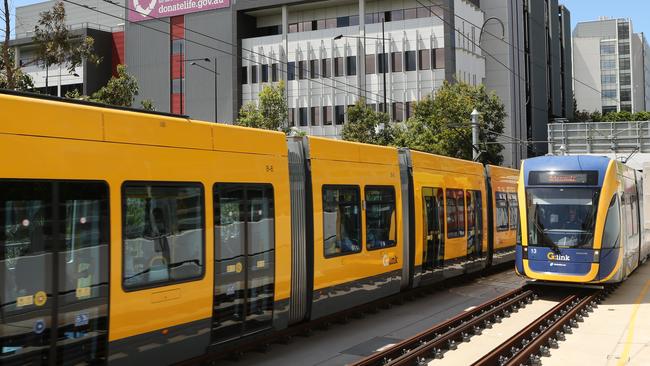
(455,213)
(612,230)
(513,209)
(341,220)
(163,233)
(502,211)
(381,218)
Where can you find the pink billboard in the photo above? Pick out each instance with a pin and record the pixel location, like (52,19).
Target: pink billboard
(149,9)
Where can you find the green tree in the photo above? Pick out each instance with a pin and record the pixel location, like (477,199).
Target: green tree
(271,112)
(441,125)
(120,90)
(55,45)
(367,126)
(12,77)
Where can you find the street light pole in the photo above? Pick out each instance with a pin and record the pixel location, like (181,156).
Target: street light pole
(475,135)
(216,118)
(384,59)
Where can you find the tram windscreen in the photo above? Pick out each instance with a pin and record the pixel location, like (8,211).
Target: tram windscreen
(561,217)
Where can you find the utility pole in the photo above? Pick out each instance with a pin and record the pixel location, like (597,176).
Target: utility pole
(475,133)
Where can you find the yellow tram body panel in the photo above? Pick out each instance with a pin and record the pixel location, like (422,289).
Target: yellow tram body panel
(352,164)
(81,142)
(503,180)
(434,171)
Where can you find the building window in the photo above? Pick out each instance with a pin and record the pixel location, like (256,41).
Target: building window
(177,86)
(626,96)
(396,59)
(326,69)
(623,48)
(291,113)
(396,15)
(370,64)
(424,59)
(607,64)
(382,63)
(624,63)
(398,112)
(274,72)
(409,61)
(342,22)
(302,116)
(351,65)
(291,70)
(609,110)
(315,116)
(381,218)
(609,79)
(163,233)
(178,46)
(293,28)
(626,108)
(607,48)
(626,79)
(439,58)
(410,13)
(609,94)
(302,70)
(313,69)
(244,75)
(339,114)
(339,66)
(409,108)
(327,115)
(254,74)
(341,220)
(623,30)
(265,73)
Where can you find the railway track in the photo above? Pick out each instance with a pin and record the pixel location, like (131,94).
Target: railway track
(526,347)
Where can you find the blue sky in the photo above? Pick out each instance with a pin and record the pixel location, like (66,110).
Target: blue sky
(581,10)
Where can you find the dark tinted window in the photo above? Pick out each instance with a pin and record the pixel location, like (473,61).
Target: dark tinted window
(440,58)
(351,65)
(409,60)
(342,22)
(291,70)
(382,63)
(341,220)
(313,69)
(326,67)
(254,74)
(163,233)
(302,70)
(612,231)
(381,218)
(424,59)
(327,115)
(274,72)
(339,112)
(315,116)
(398,111)
(339,66)
(244,75)
(302,116)
(513,209)
(265,73)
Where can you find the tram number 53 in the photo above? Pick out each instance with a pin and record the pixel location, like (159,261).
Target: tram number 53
(533,250)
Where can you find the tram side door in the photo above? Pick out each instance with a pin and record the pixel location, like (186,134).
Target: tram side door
(54,272)
(244,260)
(433,228)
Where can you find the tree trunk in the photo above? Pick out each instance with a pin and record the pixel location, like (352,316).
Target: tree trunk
(9,63)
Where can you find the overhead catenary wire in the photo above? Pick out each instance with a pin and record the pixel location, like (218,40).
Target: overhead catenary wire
(379,98)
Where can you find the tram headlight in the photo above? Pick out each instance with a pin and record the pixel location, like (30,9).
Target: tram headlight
(596,256)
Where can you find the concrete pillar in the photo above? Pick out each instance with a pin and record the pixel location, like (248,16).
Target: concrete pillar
(361,50)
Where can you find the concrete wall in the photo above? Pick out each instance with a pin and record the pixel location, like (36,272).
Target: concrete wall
(638,79)
(147,50)
(586,68)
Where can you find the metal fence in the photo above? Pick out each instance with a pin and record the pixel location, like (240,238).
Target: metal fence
(599,137)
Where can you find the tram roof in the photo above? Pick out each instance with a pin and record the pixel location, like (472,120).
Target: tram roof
(574,163)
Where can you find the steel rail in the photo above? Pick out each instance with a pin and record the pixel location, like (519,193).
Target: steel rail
(446,335)
(536,339)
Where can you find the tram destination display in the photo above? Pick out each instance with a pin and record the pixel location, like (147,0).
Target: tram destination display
(586,178)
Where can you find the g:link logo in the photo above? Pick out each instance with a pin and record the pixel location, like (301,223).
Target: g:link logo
(558,257)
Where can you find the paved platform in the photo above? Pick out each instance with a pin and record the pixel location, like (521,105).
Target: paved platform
(343,344)
(616,333)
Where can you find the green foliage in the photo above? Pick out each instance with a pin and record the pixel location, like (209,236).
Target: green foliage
(56,45)
(367,126)
(119,91)
(12,77)
(442,125)
(270,114)
(147,105)
(623,116)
